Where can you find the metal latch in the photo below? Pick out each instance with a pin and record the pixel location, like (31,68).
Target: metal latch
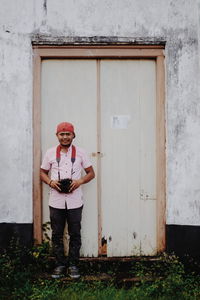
(97,154)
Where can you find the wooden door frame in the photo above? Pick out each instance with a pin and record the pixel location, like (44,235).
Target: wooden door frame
(98,52)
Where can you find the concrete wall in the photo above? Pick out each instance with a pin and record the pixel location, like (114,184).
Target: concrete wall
(173,21)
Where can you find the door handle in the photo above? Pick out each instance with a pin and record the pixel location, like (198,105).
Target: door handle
(97,154)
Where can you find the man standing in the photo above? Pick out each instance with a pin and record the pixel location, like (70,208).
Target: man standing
(65,202)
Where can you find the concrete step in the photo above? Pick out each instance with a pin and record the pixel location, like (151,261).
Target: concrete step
(117,265)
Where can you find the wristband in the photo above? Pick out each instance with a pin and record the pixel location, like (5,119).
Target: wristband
(50,182)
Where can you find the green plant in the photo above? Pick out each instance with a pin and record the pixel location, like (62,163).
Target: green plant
(19,266)
(23,277)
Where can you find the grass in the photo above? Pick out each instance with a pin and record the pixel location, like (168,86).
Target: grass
(22,277)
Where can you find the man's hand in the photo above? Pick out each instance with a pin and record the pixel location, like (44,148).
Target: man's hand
(55,185)
(75,184)
(89,176)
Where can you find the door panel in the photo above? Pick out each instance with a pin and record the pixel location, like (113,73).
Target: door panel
(128,162)
(69,94)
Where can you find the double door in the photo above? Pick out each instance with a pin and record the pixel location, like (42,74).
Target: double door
(112,104)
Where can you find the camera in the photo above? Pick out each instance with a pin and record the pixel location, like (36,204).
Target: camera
(65,185)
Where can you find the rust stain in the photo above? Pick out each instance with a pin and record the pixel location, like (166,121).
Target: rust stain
(103,246)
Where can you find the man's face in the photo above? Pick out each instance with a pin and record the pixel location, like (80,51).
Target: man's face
(65,138)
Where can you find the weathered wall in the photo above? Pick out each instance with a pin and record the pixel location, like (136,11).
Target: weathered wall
(173,21)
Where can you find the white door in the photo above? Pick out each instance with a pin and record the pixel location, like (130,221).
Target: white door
(68,94)
(128,164)
(115,109)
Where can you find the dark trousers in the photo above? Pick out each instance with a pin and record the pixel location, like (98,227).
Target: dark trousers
(58,218)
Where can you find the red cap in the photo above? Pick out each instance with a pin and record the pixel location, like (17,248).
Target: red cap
(64,126)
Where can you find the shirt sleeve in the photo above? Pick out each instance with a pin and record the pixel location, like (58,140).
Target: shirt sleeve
(46,162)
(86,163)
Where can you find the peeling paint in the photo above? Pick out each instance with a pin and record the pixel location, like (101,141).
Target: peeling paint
(103,246)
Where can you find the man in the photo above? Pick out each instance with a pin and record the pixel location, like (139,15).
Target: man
(65,201)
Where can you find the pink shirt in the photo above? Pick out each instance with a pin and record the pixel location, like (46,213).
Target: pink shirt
(62,200)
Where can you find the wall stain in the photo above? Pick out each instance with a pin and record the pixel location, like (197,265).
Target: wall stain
(134,235)
(44,12)
(45,6)
(56,38)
